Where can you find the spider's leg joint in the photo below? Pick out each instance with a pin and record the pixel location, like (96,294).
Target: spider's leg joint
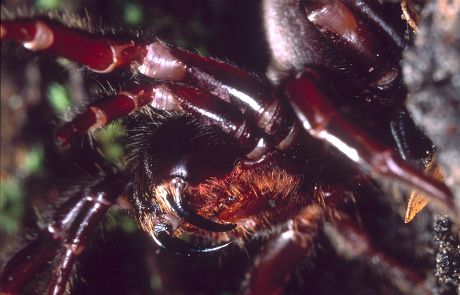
(42,39)
(159,63)
(117,57)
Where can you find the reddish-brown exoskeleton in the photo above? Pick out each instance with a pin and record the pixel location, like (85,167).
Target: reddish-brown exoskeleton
(219,154)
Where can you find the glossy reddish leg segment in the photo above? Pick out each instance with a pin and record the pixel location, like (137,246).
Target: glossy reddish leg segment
(213,111)
(71,225)
(97,205)
(240,88)
(231,81)
(99,54)
(110,108)
(275,263)
(28,262)
(272,267)
(319,118)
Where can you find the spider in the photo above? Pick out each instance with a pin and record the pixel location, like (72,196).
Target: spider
(219,155)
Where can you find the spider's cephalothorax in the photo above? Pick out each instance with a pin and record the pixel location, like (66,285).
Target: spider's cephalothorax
(220,155)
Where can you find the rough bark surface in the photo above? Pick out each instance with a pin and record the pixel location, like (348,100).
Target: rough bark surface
(432,74)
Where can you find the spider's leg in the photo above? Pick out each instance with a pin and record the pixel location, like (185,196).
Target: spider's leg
(101,55)
(349,239)
(398,130)
(403,130)
(319,118)
(154,60)
(29,260)
(105,53)
(98,202)
(110,108)
(158,61)
(272,267)
(71,225)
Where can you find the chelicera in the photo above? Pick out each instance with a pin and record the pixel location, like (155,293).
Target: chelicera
(219,154)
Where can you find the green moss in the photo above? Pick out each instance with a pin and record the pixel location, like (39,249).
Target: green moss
(133,14)
(110,139)
(11,206)
(58,97)
(119,220)
(48,4)
(33,162)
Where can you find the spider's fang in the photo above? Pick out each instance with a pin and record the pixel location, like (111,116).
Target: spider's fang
(178,203)
(165,240)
